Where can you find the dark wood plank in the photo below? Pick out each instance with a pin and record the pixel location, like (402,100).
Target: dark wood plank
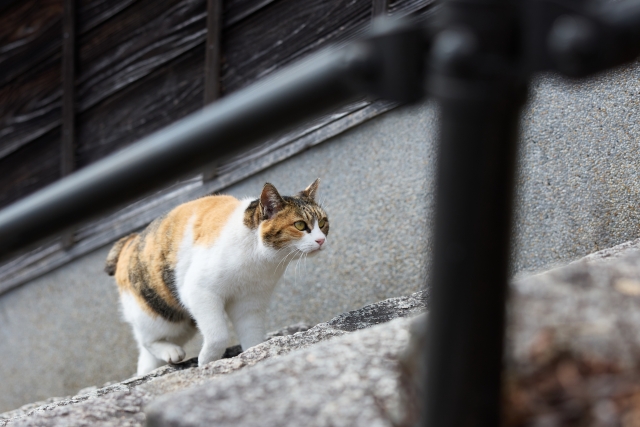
(113,57)
(30,32)
(31,105)
(30,46)
(133,45)
(283,32)
(135,112)
(92,13)
(212,55)
(237,10)
(408,6)
(30,168)
(148,105)
(142,39)
(380,7)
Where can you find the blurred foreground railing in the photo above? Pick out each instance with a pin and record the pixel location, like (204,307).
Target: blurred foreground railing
(475,57)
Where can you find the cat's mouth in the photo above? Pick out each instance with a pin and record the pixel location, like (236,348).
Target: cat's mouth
(314,251)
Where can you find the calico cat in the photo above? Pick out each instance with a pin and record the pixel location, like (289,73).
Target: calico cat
(208,256)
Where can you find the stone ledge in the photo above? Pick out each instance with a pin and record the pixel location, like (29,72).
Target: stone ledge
(573,358)
(125,400)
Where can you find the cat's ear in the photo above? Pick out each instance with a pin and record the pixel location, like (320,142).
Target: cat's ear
(310,191)
(270,201)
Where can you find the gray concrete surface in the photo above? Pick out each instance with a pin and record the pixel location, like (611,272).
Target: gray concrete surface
(578,193)
(580,176)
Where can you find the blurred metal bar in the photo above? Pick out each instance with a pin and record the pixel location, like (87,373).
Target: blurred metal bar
(480,98)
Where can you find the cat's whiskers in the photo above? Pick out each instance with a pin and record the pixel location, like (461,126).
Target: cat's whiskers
(282,260)
(304,265)
(295,274)
(287,268)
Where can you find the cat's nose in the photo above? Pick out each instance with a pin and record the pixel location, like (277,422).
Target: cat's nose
(320,241)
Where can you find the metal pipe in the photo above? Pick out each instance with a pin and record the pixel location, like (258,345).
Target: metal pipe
(217,131)
(480,101)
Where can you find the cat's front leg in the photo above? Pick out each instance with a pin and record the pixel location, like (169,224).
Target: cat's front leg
(248,315)
(207,310)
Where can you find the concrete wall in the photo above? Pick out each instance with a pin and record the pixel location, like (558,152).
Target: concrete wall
(578,193)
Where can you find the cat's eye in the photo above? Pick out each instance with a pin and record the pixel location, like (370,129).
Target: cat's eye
(300,225)
(322,223)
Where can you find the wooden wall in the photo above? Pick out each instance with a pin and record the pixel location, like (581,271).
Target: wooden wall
(139,67)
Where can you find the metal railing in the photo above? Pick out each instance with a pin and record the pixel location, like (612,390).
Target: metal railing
(476,58)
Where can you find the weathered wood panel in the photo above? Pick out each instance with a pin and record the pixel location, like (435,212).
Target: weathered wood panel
(408,6)
(129,47)
(285,31)
(142,39)
(139,40)
(140,108)
(237,10)
(30,45)
(30,32)
(30,105)
(92,13)
(148,105)
(30,168)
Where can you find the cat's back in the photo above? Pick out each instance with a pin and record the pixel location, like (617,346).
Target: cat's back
(202,220)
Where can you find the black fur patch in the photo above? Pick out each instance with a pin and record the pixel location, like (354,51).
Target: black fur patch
(252,215)
(140,279)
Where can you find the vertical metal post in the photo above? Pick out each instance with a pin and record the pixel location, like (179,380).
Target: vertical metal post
(212,55)
(67,148)
(212,66)
(480,98)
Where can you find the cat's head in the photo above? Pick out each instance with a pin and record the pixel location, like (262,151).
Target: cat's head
(294,222)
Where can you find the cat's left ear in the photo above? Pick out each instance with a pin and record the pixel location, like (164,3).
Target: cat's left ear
(310,191)
(271,201)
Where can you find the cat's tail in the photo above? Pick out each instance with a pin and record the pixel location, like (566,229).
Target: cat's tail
(112,259)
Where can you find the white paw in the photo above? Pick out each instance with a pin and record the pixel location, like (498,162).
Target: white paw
(208,355)
(172,354)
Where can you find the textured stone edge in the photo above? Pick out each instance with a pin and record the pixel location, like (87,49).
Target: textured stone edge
(173,377)
(274,380)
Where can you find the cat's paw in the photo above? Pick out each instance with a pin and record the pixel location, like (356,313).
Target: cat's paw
(172,354)
(208,355)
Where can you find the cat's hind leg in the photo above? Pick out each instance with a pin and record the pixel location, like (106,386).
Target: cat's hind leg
(160,341)
(147,362)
